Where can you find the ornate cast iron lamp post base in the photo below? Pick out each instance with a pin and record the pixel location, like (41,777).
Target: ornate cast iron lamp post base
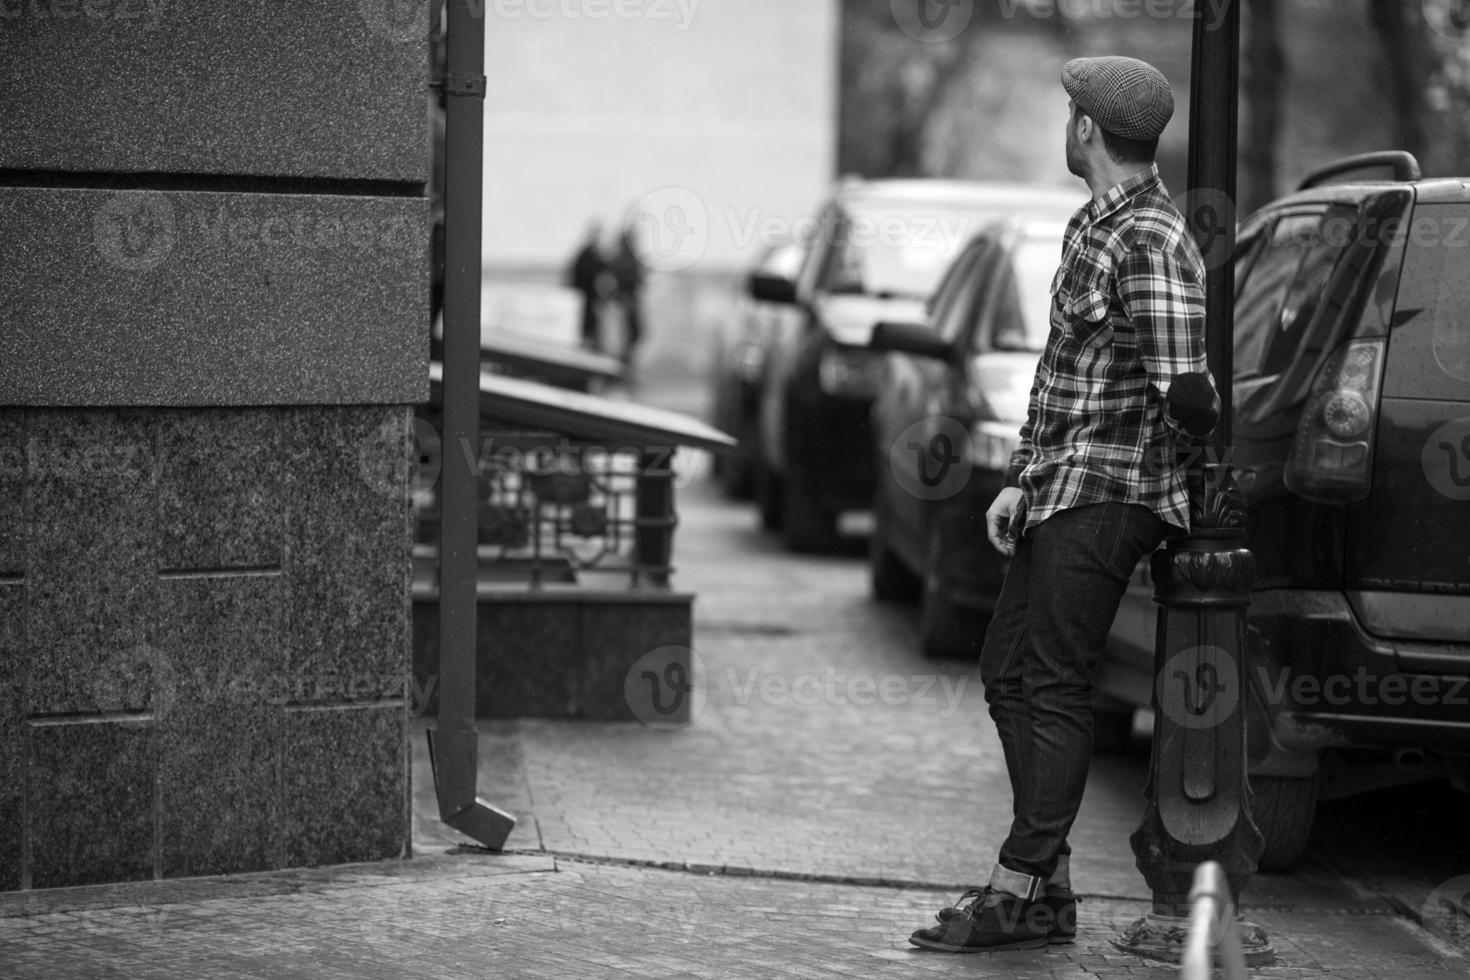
(1198,795)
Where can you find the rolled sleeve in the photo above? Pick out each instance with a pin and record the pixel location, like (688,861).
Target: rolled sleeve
(1165,302)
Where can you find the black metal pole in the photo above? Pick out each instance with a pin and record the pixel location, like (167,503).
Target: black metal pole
(1198,796)
(1213,124)
(453,743)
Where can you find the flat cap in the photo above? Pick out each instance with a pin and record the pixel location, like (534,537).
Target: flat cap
(1127,97)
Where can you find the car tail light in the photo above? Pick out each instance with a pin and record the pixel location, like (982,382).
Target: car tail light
(1332,459)
(853,372)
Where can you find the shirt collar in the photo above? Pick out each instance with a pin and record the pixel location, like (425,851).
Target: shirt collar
(1119,194)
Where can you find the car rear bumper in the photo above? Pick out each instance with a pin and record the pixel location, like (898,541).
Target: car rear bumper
(1320,681)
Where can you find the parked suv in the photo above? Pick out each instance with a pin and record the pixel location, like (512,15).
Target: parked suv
(877,250)
(1352,450)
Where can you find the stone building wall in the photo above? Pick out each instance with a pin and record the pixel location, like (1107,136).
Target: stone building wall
(213,326)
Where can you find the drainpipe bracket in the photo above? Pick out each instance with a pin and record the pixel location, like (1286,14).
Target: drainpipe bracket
(470,86)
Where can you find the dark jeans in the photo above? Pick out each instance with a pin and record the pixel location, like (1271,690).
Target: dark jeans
(1060,595)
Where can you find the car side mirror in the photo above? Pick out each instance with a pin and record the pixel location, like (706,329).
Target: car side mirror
(772,289)
(910,338)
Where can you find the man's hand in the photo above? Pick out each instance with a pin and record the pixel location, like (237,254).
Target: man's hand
(1005,514)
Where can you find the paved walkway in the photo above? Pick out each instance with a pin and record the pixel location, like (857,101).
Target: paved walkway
(834,789)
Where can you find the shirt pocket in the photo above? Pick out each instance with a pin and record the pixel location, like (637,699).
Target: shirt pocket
(1087,316)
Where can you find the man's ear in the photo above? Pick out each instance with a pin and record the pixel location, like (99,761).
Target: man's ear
(1085,127)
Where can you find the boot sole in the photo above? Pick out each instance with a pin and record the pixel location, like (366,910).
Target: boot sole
(1035,943)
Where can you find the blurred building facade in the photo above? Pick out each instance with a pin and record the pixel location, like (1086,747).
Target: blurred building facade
(695,120)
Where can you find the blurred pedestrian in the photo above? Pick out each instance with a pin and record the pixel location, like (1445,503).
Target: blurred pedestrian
(587,275)
(1121,385)
(628,273)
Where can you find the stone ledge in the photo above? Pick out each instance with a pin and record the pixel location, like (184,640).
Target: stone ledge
(154,298)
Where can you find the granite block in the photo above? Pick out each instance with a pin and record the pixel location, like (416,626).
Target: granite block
(219,737)
(221,489)
(311,88)
(12,491)
(544,657)
(345,784)
(616,636)
(91,803)
(12,731)
(211,299)
(90,585)
(350,546)
(529,659)
(219,639)
(219,799)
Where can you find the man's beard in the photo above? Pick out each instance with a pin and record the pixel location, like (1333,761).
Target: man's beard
(1076,162)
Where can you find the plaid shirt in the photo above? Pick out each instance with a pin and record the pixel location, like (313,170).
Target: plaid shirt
(1128,315)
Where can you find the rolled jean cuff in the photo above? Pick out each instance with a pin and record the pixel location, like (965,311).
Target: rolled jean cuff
(1029,887)
(1061,878)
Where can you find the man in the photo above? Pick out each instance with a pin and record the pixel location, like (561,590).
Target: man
(586,275)
(1122,384)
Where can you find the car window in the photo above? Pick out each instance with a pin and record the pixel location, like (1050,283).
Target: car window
(955,303)
(1429,356)
(1021,318)
(1283,288)
(897,250)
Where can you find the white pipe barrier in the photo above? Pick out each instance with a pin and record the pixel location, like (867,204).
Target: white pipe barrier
(1212,928)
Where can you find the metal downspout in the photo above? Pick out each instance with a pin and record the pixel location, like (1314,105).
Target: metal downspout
(452,743)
